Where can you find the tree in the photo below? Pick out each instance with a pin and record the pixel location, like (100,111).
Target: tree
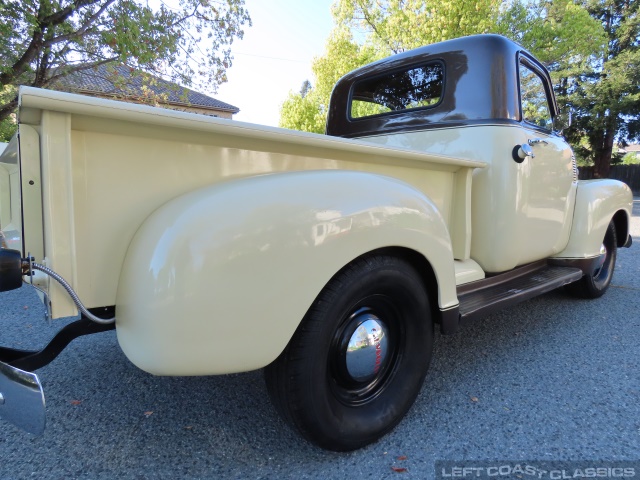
(307,110)
(606,98)
(399,25)
(41,41)
(386,27)
(591,48)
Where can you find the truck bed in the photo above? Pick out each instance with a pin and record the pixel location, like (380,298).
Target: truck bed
(106,166)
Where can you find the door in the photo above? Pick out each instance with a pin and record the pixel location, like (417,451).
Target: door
(548,183)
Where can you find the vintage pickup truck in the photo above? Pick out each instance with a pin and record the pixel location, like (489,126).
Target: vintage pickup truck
(443,191)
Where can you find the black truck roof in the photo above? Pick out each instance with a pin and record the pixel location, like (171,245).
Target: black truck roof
(480,86)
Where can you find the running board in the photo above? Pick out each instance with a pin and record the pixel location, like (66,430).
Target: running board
(478,299)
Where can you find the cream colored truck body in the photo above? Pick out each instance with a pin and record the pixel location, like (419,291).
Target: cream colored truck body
(214,286)
(212,238)
(451,194)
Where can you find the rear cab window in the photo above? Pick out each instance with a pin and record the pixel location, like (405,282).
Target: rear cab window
(408,89)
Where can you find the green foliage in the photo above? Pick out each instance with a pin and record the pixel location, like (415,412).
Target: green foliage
(399,25)
(302,113)
(307,110)
(383,27)
(631,158)
(616,158)
(606,97)
(592,50)
(8,128)
(361,109)
(7,125)
(591,47)
(560,33)
(44,40)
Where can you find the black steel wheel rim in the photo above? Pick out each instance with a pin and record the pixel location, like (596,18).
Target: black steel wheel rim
(602,275)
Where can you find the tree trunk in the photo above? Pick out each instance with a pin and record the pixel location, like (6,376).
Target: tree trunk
(604,151)
(8,108)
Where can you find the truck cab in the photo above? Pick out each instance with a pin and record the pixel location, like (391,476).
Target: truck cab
(486,99)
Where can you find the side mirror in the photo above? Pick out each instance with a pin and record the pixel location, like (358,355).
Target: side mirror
(562,121)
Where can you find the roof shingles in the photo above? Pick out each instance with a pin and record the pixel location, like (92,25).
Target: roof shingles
(123,81)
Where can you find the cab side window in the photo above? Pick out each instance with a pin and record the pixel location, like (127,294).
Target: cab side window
(533,98)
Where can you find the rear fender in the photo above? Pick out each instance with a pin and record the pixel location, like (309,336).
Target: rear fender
(217,280)
(597,202)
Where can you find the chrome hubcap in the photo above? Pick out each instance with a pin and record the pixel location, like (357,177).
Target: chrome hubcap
(367,348)
(364,353)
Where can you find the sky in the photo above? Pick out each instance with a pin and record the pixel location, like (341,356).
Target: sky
(275,56)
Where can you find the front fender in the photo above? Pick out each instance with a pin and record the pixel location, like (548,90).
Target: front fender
(217,280)
(597,201)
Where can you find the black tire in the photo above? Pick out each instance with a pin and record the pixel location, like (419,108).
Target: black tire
(335,396)
(596,284)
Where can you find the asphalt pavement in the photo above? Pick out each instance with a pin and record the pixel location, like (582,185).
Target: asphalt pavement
(553,379)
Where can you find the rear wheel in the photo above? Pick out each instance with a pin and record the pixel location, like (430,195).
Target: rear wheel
(594,285)
(358,360)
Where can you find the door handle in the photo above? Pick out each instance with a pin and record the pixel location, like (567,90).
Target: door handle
(520,152)
(535,141)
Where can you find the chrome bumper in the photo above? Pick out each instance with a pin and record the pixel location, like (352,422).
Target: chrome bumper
(21,395)
(22,399)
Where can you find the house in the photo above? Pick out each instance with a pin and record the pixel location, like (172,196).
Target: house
(120,82)
(633,148)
